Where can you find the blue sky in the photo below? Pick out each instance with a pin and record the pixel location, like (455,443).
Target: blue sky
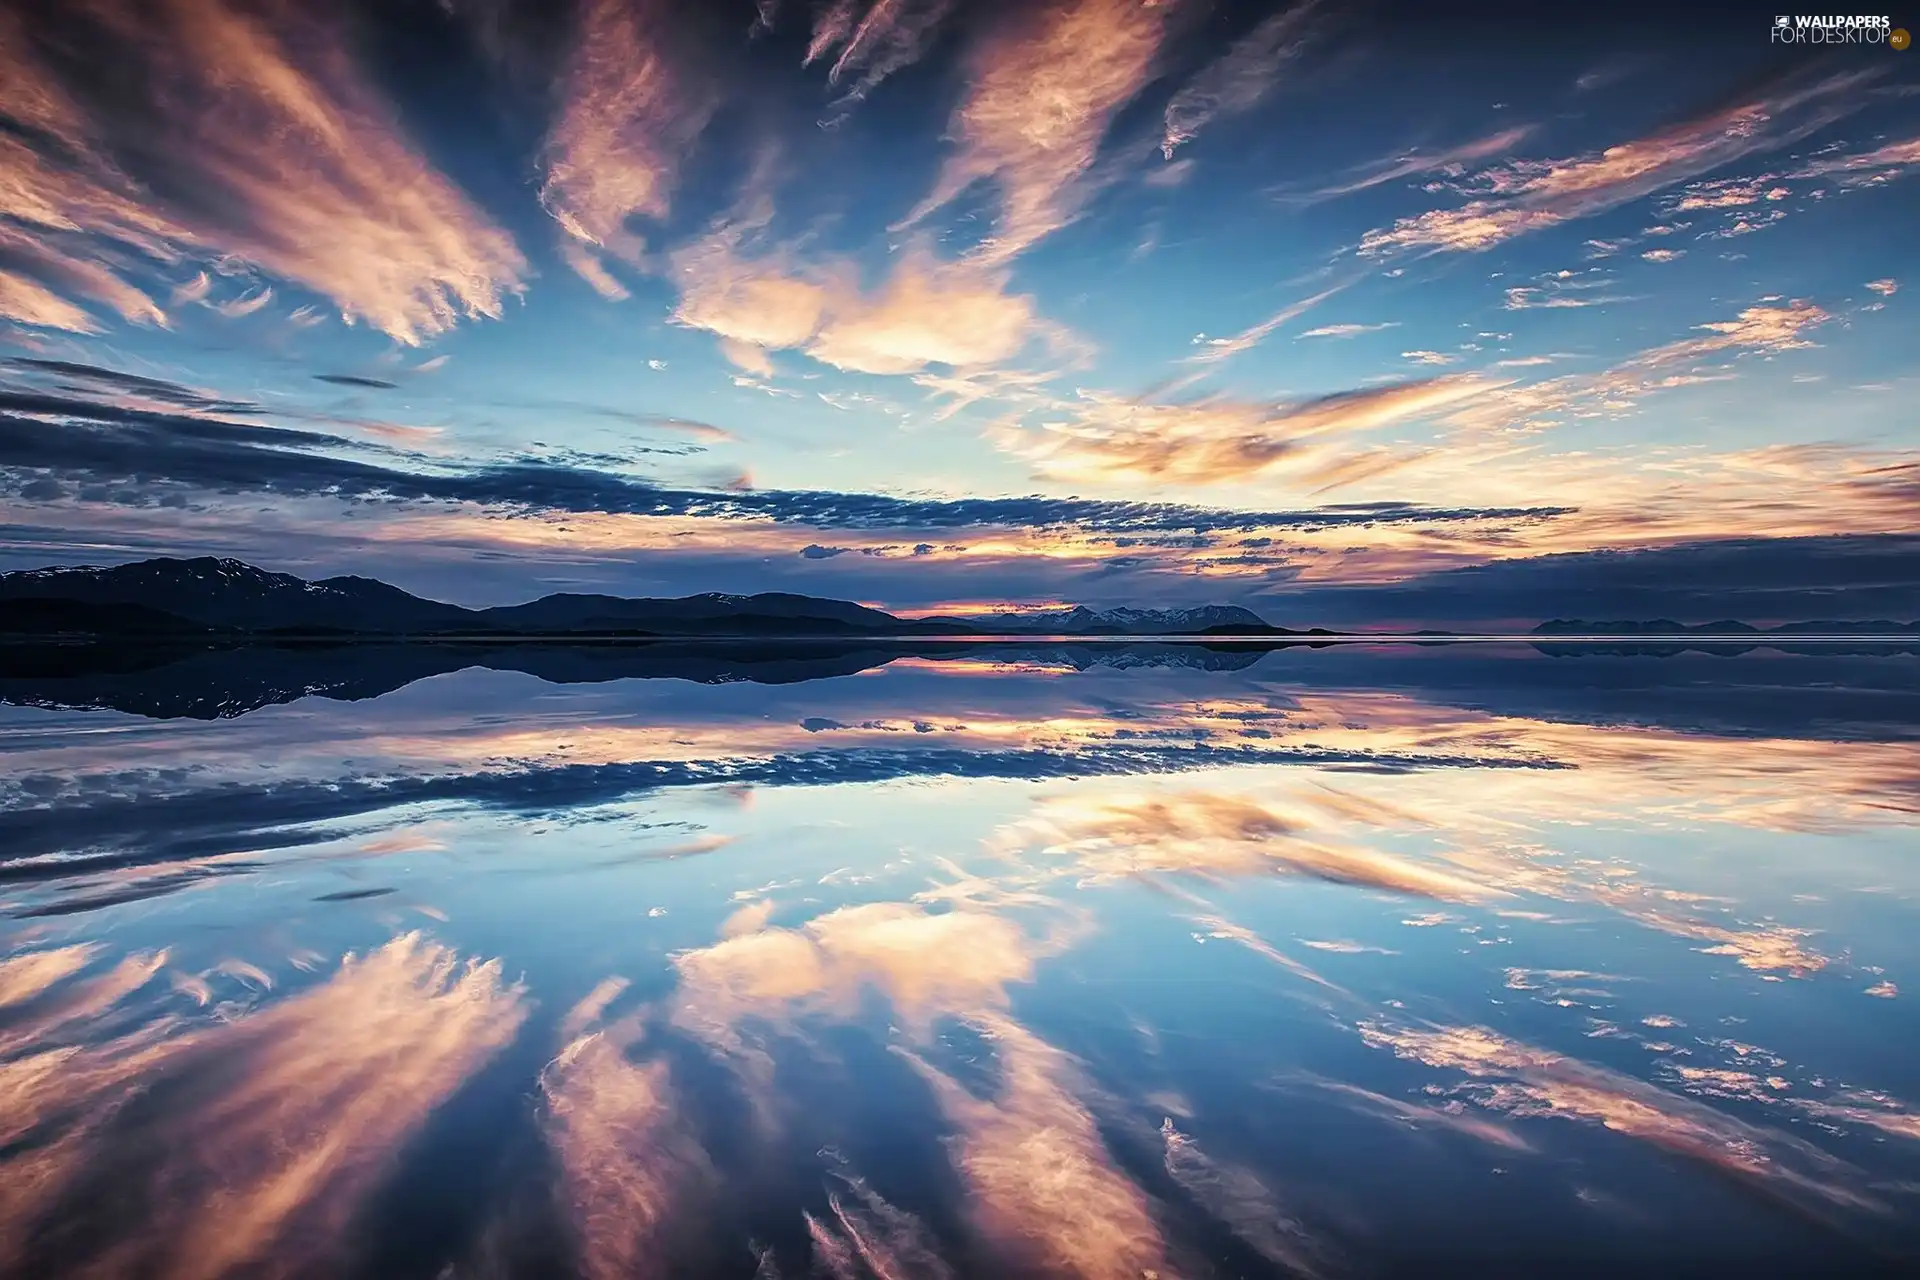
(1572,287)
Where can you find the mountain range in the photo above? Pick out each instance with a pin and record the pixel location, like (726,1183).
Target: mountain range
(222,598)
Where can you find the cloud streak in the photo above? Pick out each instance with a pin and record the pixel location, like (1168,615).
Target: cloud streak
(1528,195)
(626,1160)
(869,40)
(279,1120)
(1242,77)
(1522,1081)
(928,312)
(90,442)
(628,116)
(1217,835)
(1043,1187)
(196,130)
(1042,93)
(1219,441)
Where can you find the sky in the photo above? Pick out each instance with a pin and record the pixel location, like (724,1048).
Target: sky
(1367,314)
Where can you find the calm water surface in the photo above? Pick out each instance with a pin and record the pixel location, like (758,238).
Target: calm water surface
(1040,962)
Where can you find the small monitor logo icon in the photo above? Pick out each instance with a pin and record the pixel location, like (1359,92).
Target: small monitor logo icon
(1783,21)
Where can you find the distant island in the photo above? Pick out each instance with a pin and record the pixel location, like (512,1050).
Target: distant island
(226,602)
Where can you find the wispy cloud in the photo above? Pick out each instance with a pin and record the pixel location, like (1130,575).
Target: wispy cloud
(1450,161)
(1349,330)
(28,974)
(929,312)
(626,1160)
(1213,441)
(1042,1185)
(869,40)
(1866,168)
(1238,1198)
(1527,195)
(70,440)
(863,1236)
(288,1117)
(1217,834)
(228,134)
(628,115)
(926,963)
(1524,1081)
(1220,349)
(1239,79)
(1042,92)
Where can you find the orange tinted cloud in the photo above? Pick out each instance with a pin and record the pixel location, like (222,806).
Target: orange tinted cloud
(279,1121)
(1213,834)
(294,163)
(928,312)
(24,976)
(865,1236)
(1529,1082)
(1448,160)
(1042,92)
(1524,196)
(1422,1117)
(869,40)
(925,963)
(1042,1186)
(625,1161)
(627,118)
(325,1088)
(82,1002)
(1213,441)
(1868,168)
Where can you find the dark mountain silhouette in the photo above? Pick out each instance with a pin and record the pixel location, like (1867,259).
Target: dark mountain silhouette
(233,599)
(222,595)
(703,614)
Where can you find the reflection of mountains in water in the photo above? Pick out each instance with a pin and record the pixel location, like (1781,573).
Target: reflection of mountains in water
(223,681)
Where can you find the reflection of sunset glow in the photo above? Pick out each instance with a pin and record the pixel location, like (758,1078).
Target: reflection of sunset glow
(287,1119)
(863,1235)
(926,963)
(624,1161)
(1526,1082)
(25,976)
(1044,1187)
(1210,834)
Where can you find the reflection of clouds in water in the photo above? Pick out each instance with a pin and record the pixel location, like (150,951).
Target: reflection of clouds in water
(1044,1190)
(1520,1080)
(1238,1198)
(626,1161)
(1043,1186)
(1451,1118)
(926,963)
(863,1235)
(1214,834)
(278,1122)
(1403,759)
(1108,832)
(25,976)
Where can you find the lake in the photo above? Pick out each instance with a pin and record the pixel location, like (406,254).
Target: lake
(1021,960)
